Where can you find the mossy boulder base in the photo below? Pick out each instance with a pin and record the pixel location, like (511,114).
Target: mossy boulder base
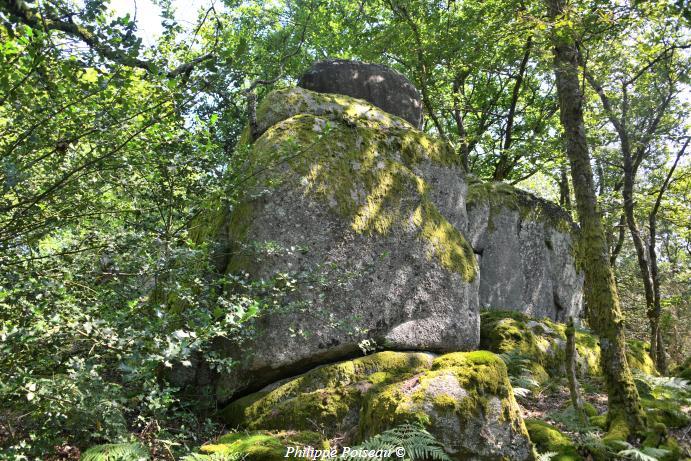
(464,399)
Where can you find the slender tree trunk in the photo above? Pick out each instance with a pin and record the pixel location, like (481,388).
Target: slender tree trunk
(658,351)
(642,257)
(505,165)
(564,192)
(657,348)
(604,312)
(571,357)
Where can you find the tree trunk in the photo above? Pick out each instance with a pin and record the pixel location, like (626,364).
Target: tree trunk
(604,312)
(642,257)
(564,193)
(571,357)
(657,347)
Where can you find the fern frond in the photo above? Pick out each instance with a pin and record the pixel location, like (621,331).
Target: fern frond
(117,452)
(417,442)
(647,454)
(520,391)
(546,456)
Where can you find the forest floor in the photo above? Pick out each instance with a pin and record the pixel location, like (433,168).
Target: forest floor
(552,403)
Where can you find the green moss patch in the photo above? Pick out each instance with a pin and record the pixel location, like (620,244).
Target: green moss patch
(263,445)
(549,439)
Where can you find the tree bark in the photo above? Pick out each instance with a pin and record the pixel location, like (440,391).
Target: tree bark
(571,357)
(604,312)
(564,192)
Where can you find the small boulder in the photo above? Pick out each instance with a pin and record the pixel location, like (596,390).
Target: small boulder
(380,85)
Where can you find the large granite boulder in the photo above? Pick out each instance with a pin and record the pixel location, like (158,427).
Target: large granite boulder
(377,84)
(526,252)
(352,225)
(463,399)
(355,220)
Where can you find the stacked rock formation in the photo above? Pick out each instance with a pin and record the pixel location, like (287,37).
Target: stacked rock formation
(371,237)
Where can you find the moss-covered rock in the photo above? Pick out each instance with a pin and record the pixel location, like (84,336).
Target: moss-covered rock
(547,438)
(329,395)
(542,342)
(463,399)
(265,445)
(365,217)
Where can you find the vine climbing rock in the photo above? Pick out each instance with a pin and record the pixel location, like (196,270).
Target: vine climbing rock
(377,84)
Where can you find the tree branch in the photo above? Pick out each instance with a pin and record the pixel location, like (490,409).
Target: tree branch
(19,10)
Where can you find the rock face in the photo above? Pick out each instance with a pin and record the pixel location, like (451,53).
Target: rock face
(464,399)
(526,253)
(380,85)
(356,220)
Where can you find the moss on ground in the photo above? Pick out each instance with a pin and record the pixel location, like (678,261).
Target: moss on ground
(547,438)
(264,445)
